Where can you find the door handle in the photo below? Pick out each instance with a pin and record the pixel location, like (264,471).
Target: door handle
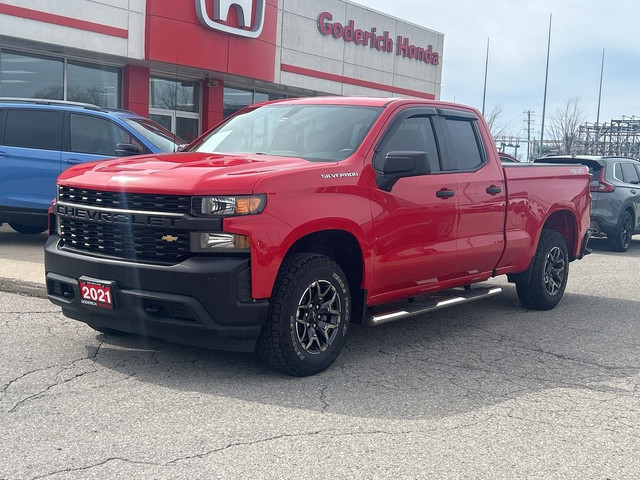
(72,161)
(445,193)
(493,190)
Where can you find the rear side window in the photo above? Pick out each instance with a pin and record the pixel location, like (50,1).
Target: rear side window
(39,129)
(96,135)
(464,149)
(627,173)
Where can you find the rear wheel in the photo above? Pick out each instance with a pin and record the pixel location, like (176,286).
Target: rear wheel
(549,273)
(308,316)
(621,239)
(27,229)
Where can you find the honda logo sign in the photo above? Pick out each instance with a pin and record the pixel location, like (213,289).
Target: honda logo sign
(244,10)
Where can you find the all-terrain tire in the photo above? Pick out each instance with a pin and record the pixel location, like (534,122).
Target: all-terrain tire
(544,287)
(308,316)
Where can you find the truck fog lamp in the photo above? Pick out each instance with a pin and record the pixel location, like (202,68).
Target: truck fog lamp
(211,242)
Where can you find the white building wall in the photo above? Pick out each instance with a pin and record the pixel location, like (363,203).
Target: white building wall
(301,44)
(128,15)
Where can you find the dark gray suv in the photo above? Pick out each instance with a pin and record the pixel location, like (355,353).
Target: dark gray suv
(615,192)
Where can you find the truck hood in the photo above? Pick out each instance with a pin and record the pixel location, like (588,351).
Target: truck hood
(181,173)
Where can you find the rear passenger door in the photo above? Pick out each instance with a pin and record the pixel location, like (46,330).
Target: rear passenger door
(30,145)
(481,195)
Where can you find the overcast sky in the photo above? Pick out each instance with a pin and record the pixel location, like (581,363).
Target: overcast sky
(518,32)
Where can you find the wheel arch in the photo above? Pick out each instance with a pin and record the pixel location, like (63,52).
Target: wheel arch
(343,248)
(565,223)
(631,208)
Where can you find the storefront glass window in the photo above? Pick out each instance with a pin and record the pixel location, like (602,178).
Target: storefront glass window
(31,76)
(235,99)
(263,96)
(93,84)
(174,95)
(175,104)
(25,75)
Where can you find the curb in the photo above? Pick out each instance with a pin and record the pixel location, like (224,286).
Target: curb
(19,287)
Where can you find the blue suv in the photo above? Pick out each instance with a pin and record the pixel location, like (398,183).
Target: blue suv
(41,138)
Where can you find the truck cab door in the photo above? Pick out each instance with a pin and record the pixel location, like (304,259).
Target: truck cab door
(481,195)
(415,220)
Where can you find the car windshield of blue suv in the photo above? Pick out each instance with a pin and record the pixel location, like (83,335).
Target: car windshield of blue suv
(156,134)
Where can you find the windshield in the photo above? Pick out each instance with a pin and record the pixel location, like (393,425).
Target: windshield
(156,134)
(312,132)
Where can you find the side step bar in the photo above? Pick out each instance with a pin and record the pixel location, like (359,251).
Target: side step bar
(431,304)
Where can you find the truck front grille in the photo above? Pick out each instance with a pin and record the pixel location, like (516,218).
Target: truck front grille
(125,201)
(125,241)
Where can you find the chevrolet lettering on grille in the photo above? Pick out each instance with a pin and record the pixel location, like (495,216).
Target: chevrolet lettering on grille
(112,216)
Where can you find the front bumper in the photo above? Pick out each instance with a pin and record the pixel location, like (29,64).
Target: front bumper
(202,301)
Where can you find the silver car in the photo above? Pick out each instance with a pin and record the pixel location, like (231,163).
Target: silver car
(615,192)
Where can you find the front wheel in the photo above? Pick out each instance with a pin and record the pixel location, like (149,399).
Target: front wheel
(308,316)
(621,239)
(544,287)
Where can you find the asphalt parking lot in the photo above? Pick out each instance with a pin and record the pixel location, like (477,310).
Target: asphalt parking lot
(485,390)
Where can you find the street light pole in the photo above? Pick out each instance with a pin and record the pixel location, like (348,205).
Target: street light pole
(600,89)
(486,69)
(546,79)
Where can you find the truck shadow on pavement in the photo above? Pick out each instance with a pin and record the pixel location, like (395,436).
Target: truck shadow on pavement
(445,363)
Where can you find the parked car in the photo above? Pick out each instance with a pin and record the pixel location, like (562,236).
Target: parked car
(41,138)
(615,192)
(506,158)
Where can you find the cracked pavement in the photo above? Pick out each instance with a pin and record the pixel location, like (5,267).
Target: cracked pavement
(485,390)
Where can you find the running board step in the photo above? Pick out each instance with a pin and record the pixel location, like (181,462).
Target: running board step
(439,302)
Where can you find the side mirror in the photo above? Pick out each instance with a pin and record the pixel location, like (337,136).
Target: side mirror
(400,164)
(126,149)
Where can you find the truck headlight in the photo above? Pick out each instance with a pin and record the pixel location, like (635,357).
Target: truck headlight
(206,242)
(228,205)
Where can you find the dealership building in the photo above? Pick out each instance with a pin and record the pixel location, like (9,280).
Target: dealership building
(189,63)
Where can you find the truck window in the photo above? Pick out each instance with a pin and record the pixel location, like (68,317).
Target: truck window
(464,148)
(33,129)
(413,134)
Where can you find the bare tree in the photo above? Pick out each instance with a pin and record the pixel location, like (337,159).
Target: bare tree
(493,120)
(564,125)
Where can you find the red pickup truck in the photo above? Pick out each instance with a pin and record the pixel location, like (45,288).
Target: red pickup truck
(281,226)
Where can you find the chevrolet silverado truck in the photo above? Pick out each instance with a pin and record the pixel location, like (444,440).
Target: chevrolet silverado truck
(292,219)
